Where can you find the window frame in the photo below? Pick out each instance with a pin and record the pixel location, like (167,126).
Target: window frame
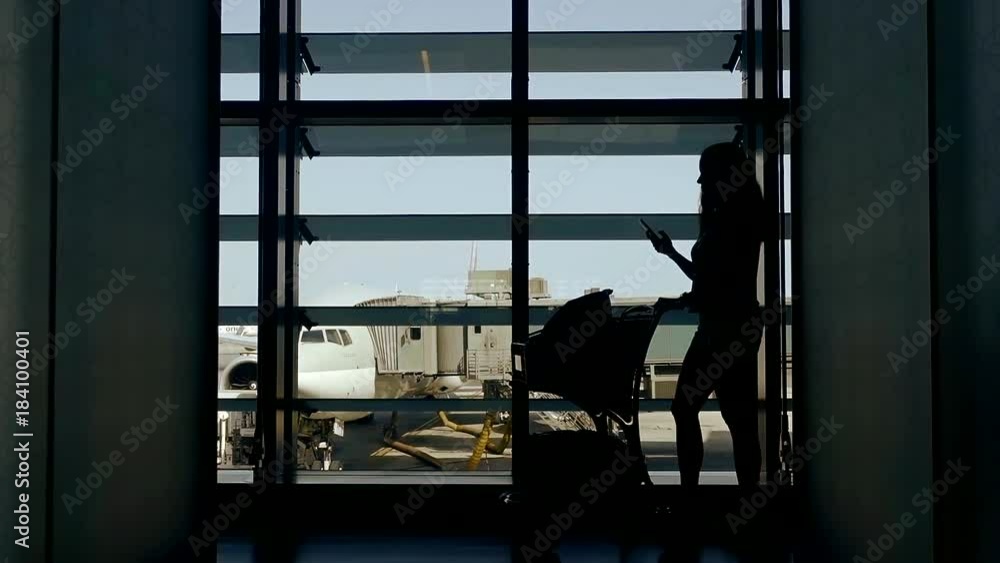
(279,229)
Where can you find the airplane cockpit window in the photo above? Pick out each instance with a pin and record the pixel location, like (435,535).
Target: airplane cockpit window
(333,336)
(312,336)
(346,337)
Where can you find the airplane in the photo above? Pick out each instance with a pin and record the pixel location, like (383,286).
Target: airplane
(334,363)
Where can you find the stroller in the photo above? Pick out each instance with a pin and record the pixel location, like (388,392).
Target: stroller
(593,358)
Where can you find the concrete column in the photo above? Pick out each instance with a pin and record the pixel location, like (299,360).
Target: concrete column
(966,87)
(862,292)
(135,389)
(26,89)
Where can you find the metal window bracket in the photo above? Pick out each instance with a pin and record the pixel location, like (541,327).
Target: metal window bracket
(305,233)
(304,320)
(306,145)
(306,56)
(735,58)
(738,137)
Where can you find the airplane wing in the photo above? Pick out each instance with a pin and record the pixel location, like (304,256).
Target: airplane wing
(247,342)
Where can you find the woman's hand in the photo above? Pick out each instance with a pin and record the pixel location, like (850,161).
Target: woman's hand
(662,243)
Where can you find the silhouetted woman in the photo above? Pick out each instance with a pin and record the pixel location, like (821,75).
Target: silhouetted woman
(723,273)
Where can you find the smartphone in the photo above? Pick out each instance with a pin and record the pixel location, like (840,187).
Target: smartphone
(649,230)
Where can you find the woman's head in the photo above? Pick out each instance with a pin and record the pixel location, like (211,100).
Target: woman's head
(729,190)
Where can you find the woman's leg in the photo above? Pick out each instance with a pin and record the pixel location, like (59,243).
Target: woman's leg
(738,402)
(689,398)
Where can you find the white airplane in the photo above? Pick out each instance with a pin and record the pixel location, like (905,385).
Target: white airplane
(334,363)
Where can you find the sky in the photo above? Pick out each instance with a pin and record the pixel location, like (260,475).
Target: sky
(474,184)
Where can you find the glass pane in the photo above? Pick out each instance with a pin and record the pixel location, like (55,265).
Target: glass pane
(585,143)
(240,52)
(394,83)
(333,337)
(312,337)
(235,448)
(236,187)
(412,357)
(347,273)
(635,15)
(407,50)
(393,185)
(404,16)
(634,49)
(658,435)
(416,144)
(238,274)
(239,179)
(644,184)
(239,16)
(634,85)
(237,360)
(631,268)
(419,441)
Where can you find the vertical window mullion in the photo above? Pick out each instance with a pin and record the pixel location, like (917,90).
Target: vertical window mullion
(770,73)
(271,307)
(519,229)
(289,239)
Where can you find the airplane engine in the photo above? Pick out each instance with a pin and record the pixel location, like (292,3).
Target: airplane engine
(240,374)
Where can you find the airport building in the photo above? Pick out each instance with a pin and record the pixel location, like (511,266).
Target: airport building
(382,280)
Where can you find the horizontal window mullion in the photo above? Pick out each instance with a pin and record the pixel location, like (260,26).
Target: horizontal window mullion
(565,227)
(540,111)
(237,405)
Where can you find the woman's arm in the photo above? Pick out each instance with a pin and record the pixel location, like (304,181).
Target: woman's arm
(683,263)
(665,246)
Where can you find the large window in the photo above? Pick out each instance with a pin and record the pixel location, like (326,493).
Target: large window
(413,185)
